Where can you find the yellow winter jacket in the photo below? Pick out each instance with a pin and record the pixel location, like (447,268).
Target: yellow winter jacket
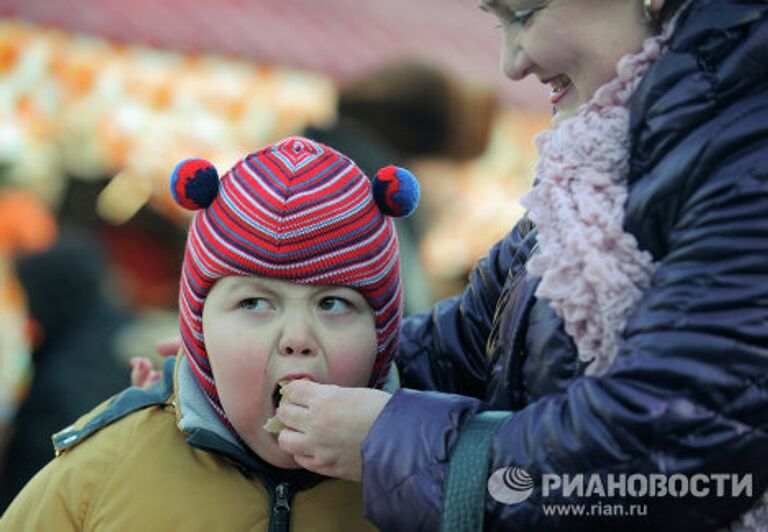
(127,466)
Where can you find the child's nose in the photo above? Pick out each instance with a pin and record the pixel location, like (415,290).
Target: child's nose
(297,339)
(293,347)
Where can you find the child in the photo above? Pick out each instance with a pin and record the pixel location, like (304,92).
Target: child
(290,272)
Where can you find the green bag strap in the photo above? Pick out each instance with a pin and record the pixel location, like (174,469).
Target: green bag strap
(467,476)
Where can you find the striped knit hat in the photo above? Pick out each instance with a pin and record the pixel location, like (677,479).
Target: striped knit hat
(296,211)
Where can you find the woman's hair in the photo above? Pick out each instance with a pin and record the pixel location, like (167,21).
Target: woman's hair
(666,12)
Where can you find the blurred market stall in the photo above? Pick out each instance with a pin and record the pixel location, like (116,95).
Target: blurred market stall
(114,93)
(342,39)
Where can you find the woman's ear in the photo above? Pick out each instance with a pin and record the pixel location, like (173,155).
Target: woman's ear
(656,7)
(652,10)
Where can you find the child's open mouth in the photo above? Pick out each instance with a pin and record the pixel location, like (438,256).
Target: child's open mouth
(273,425)
(277,395)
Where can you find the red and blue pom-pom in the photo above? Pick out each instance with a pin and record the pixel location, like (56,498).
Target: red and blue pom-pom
(194,184)
(396,191)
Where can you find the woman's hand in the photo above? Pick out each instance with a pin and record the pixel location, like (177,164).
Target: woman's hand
(326,426)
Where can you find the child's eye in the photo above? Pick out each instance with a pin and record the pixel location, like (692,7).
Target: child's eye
(333,304)
(254,304)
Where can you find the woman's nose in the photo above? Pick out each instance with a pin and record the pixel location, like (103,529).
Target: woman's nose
(514,61)
(297,338)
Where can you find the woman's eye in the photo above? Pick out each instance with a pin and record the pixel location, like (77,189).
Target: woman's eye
(334,305)
(254,304)
(523,16)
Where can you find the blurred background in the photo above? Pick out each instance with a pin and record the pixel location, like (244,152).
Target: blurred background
(99,99)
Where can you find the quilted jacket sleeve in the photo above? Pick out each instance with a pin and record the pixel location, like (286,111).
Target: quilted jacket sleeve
(445,348)
(687,394)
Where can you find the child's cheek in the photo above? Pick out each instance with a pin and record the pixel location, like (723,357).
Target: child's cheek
(352,366)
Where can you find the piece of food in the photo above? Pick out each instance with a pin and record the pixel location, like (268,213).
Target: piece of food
(274,425)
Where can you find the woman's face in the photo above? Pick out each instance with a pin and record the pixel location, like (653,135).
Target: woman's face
(571,45)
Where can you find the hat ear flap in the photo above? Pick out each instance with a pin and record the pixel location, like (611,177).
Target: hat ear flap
(194,184)
(396,191)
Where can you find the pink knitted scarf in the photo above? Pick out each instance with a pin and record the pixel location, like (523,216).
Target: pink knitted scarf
(592,271)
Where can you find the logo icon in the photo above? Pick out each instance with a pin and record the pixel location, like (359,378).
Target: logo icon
(510,485)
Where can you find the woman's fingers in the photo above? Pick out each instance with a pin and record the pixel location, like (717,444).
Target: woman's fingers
(293,416)
(294,442)
(328,425)
(300,446)
(311,463)
(301,392)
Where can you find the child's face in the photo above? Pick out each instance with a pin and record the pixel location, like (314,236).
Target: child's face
(260,331)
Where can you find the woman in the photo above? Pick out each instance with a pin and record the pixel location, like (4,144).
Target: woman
(624,322)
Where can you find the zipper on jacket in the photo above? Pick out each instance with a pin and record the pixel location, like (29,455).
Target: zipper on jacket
(281,509)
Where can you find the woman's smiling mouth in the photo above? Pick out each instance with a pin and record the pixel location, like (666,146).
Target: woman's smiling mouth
(560,85)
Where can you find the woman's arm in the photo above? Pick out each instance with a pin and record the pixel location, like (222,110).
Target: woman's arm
(687,394)
(444,349)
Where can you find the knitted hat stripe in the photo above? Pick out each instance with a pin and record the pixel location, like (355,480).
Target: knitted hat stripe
(336,203)
(314,180)
(348,270)
(335,235)
(265,176)
(333,195)
(229,257)
(207,265)
(253,213)
(225,268)
(335,221)
(300,212)
(388,341)
(201,365)
(306,162)
(389,326)
(381,293)
(186,315)
(335,239)
(279,210)
(313,191)
(271,195)
(259,260)
(320,167)
(274,173)
(192,322)
(353,275)
(322,223)
(362,268)
(192,290)
(321,194)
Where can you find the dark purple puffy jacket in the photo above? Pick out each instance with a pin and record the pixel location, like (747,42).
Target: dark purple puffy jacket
(688,392)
